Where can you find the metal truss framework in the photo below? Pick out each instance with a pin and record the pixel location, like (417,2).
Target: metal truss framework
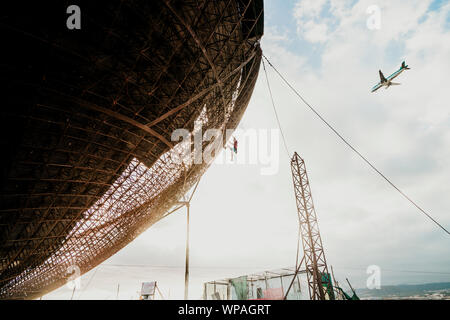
(89,159)
(314,256)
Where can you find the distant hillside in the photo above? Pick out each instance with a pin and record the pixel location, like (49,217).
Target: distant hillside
(439,290)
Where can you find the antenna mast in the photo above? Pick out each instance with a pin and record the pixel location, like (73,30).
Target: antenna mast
(319,280)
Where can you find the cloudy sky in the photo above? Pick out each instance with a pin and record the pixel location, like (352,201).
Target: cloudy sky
(243,221)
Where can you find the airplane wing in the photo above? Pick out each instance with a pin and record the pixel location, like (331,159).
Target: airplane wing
(382,78)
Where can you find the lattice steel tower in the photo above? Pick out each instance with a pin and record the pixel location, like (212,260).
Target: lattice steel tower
(319,281)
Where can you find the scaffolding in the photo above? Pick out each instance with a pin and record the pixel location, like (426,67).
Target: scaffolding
(267,285)
(88,163)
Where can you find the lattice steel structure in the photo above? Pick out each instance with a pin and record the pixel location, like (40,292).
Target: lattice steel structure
(314,256)
(87,115)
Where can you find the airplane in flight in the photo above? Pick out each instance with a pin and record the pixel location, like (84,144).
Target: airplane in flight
(387,82)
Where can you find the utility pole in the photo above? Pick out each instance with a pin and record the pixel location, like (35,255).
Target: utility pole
(186,272)
(186,275)
(314,256)
(187,203)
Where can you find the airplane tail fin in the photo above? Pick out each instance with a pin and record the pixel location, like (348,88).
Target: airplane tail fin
(404,66)
(382,78)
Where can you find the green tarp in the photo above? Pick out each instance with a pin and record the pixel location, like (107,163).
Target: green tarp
(347,297)
(240,286)
(327,284)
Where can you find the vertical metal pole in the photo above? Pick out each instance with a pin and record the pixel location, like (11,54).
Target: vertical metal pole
(336,284)
(186,275)
(73,292)
(205,296)
(282,289)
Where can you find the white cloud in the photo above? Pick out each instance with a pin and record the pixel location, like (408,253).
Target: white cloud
(310,24)
(315,32)
(309,8)
(319,21)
